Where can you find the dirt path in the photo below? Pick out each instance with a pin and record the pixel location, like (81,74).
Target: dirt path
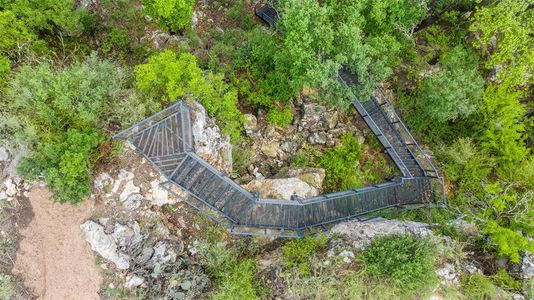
(53,258)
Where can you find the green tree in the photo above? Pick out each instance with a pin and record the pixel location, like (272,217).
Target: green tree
(65,161)
(455,91)
(60,112)
(505,38)
(45,15)
(13,33)
(168,75)
(170,14)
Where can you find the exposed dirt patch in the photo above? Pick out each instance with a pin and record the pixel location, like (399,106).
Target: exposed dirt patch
(53,258)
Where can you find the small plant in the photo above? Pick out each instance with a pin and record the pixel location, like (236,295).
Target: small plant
(280,117)
(478,286)
(170,14)
(342,166)
(405,260)
(6,286)
(503,280)
(297,252)
(241,158)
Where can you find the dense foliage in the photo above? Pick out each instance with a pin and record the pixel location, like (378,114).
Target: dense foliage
(406,260)
(72,73)
(60,112)
(168,76)
(172,14)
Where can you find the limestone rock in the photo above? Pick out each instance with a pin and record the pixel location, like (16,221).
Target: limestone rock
(160,196)
(312,176)
(133,202)
(163,254)
(104,244)
(448,274)
(250,125)
(129,189)
(282,188)
(4,154)
(311,116)
(317,138)
(11,187)
(209,142)
(270,149)
(362,233)
(133,281)
(527,266)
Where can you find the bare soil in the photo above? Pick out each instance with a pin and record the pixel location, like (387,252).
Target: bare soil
(53,258)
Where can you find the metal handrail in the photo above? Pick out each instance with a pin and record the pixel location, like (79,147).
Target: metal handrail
(399,120)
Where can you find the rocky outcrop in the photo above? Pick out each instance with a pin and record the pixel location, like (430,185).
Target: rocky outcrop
(109,245)
(312,176)
(362,233)
(302,182)
(527,266)
(274,147)
(209,142)
(282,188)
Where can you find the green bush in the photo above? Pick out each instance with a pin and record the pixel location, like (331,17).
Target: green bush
(239,282)
(65,161)
(170,75)
(45,15)
(478,286)
(297,252)
(13,32)
(405,260)
(170,14)
(60,112)
(341,165)
(280,117)
(503,280)
(49,101)
(455,91)
(235,275)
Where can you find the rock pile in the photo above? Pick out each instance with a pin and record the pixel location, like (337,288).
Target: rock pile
(274,147)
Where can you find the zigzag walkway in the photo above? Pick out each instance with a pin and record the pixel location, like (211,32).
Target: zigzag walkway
(165,140)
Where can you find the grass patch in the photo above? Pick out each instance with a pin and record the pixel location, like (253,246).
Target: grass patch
(297,252)
(406,261)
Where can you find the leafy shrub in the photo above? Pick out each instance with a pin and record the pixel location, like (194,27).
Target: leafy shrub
(297,252)
(45,15)
(478,286)
(239,14)
(241,159)
(341,165)
(5,67)
(239,282)
(13,32)
(59,111)
(235,276)
(49,101)
(170,75)
(406,260)
(170,14)
(65,161)
(280,117)
(503,280)
(455,91)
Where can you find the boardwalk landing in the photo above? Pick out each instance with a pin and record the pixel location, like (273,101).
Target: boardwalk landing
(165,140)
